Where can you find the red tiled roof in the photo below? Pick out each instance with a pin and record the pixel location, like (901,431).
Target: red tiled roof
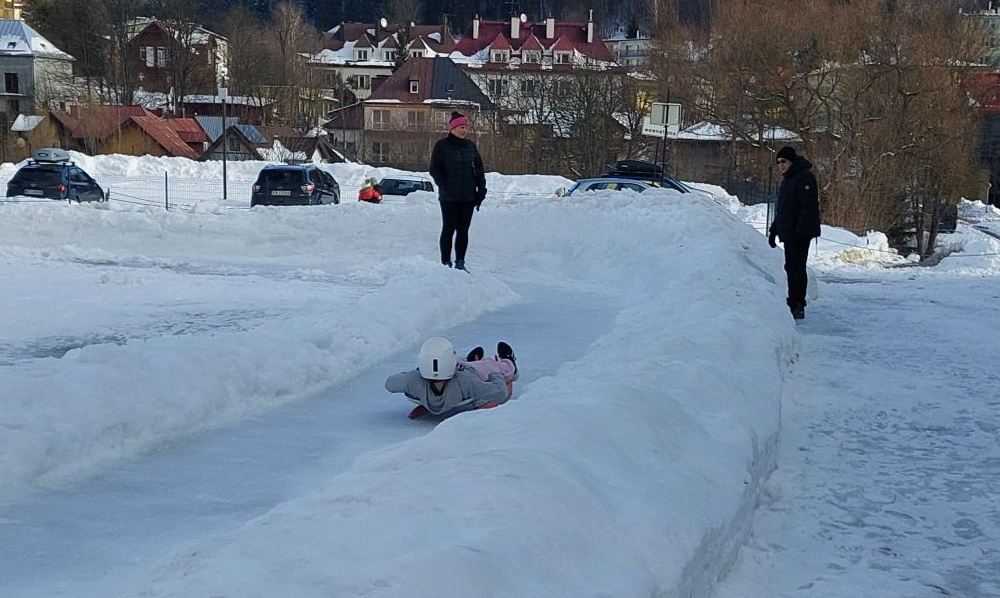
(532,43)
(500,43)
(163,134)
(187,129)
(354,32)
(563,45)
(575,35)
(98,122)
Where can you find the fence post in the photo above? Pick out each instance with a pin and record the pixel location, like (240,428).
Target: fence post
(166,191)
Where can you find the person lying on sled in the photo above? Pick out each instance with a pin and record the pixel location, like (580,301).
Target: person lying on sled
(444,385)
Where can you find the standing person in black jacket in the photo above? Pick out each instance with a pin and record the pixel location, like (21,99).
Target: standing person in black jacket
(796,223)
(457,169)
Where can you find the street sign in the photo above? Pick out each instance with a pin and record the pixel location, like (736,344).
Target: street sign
(652,130)
(667,115)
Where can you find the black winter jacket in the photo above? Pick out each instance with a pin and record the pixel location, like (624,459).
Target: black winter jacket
(457,169)
(797,210)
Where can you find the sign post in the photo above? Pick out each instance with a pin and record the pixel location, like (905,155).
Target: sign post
(664,121)
(223,94)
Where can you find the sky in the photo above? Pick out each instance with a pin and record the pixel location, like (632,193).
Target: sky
(192,399)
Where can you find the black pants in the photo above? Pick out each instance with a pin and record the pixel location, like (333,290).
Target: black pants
(456,216)
(796,252)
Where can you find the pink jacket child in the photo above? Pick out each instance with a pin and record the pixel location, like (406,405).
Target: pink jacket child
(444,385)
(503,363)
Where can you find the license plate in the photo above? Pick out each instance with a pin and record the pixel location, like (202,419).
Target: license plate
(34,192)
(281,192)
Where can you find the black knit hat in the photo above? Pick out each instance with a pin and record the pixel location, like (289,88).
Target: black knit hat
(787,152)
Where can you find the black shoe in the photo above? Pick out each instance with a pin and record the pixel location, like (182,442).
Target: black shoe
(505,352)
(446,263)
(799,312)
(476,354)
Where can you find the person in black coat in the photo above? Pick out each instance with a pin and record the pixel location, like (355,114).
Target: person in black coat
(796,223)
(457,168)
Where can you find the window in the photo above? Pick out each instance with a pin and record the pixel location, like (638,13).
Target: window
(533,57)
(416,119)
(562,57)
(76,176)
(529,87)
(360,81)
(142,54)
(380,151)
(232,143)
(161,57)
(380,120)
(498,87)
(416,53)
(150,56)
(499,56)
(361,54)
(390,55)
(10,82)
(414,86)
(561,88)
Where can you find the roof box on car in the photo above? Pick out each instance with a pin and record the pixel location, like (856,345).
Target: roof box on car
(50,154)
(638,167)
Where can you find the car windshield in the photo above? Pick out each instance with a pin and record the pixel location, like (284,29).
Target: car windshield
(38,176)
(398,186)
(281,177)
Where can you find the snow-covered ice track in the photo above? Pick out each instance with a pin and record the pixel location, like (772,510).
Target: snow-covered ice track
(86,539)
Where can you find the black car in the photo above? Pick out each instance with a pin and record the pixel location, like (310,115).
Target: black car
(52,175)
(303,185)
(395,186)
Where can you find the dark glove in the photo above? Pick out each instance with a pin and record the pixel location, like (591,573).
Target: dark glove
(478,203)
(772,240)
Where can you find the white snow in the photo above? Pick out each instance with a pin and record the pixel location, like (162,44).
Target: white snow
(628,463)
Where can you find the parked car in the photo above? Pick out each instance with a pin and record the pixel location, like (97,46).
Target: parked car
(303,185)
(638,176)
(402,186)
(51,174)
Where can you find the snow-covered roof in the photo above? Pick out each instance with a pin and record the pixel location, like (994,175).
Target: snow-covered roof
(24,123)
(17,38)
(706,131)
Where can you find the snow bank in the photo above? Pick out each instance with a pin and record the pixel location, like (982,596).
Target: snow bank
(632,472)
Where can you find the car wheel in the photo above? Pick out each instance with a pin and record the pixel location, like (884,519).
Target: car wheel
(336,198)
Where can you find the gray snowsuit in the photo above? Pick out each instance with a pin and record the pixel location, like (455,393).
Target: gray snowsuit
(464,392)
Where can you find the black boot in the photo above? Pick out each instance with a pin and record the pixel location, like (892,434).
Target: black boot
(505,352)
(798,309)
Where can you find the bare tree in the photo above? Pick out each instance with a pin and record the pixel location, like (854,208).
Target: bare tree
(404,11)
(875,91)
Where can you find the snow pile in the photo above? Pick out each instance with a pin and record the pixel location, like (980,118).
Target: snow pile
(632,471)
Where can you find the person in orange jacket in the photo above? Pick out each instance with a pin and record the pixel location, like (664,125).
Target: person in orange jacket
(369,193)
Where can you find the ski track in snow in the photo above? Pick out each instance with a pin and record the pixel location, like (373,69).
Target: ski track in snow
(88,538)
(887,473)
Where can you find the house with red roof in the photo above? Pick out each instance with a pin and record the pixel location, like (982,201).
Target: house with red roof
(408,112)
(524,66)
(153,136)
(364,54)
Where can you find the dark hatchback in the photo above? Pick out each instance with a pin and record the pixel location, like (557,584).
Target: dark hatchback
(51,174)
(294,186)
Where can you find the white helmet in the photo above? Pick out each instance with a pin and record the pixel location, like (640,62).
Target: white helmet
(437,359)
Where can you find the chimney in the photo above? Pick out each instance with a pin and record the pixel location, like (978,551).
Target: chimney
(475,27)
(590,27)
(550,28)
(515,28)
